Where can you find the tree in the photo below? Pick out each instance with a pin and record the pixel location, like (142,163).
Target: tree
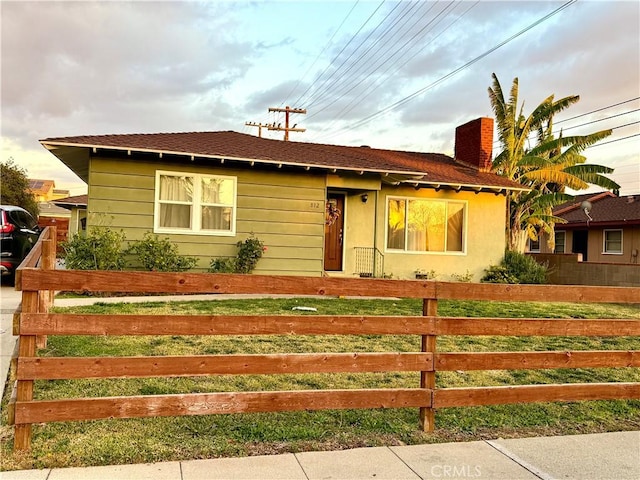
(545,170)
(14,188)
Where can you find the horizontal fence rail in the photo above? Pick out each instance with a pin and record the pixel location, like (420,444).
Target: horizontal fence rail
(36,278)
(190,283)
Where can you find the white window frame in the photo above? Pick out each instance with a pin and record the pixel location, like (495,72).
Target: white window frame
(196,220)
(604,242)
(465,210)
(530,247)
(564,241)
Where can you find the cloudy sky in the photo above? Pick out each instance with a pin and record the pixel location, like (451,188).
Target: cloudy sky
(396,75)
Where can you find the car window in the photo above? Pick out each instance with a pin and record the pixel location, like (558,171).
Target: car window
(21,219)
(14,217)
(29,221)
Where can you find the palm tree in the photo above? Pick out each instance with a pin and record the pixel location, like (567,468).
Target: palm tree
(546,169)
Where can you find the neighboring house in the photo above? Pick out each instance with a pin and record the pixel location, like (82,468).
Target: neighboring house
(318,208)
(603,227)
(50,214)
(77,206)
(45,190)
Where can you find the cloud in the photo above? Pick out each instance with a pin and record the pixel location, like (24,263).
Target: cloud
(72,68)
(99,63)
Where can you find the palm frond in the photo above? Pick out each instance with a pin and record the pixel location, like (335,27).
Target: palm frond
(558,176)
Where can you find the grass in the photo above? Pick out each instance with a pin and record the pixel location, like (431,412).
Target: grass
(170,438)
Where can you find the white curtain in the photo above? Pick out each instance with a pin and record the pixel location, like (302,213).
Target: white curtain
(426,226)
(455,227)
(216,191)
(176,189)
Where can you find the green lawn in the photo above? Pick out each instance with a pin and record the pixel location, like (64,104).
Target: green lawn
(160,439)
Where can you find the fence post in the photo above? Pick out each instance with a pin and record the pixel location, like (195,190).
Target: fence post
(47,262)
(24,388)
(428,379)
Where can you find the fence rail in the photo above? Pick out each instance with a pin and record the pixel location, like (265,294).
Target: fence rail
(35,323)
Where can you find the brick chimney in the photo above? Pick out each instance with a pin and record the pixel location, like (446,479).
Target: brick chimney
(474,143)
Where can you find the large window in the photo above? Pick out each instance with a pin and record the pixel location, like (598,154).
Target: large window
(421,225)
(191,203)
(612,241)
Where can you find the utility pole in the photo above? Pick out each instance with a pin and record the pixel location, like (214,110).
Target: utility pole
(286,128)
(259,125)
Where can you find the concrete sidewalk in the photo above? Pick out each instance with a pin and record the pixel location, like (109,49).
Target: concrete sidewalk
(598,456)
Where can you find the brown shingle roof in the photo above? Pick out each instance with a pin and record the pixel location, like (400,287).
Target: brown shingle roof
(74,201)
(438,168)
(606,209)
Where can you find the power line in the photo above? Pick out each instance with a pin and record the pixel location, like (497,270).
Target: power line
(322,51)
(408,98)
(599,144)
(375,86)
(533,134)
(340,53)
(602,119)
(375,66)
(401,15)
(598,110)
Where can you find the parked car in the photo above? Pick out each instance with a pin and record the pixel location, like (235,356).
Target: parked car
(19,232)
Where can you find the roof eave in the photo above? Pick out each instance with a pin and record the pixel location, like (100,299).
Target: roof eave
(333,168)
(477,187)
(408,177)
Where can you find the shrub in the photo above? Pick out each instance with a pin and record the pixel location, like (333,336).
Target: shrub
(498,274)
(159,255)
(249,252)
(223,265)
(516,268)
(100,249)
(466,277)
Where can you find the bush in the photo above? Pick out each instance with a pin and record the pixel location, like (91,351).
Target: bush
(101,249)
(249,252)
(498,274)
(516,268)
(223,265)
(159,255)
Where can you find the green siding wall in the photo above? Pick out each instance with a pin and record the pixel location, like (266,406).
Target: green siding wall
(285,210)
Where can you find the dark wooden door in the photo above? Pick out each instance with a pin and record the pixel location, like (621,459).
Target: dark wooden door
(333,232)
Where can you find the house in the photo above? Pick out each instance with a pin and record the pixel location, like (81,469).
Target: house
(45,190)
(320,209)
(77,208)
(602,227)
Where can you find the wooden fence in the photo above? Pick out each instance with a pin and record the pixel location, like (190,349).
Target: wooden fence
(35,323)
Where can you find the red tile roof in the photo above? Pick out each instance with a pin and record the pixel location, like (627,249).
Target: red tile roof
(606,209)
(436,167)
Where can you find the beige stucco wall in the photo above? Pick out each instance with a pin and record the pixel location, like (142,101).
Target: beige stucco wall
(484,236)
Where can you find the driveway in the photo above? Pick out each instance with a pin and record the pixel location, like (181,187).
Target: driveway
(9,301)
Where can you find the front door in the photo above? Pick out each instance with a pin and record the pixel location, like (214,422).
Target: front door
(580,243)
(333,232)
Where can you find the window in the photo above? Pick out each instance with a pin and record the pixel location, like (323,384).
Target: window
(191,203)
(534,246)
(612,241)
(560,240)
(420,225)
